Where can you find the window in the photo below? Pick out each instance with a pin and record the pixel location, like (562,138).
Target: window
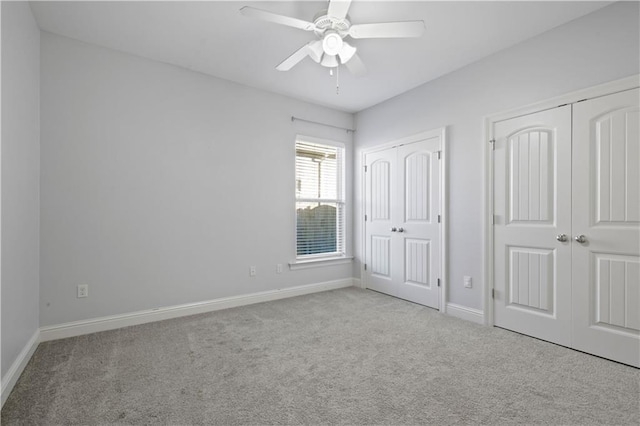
(319,199)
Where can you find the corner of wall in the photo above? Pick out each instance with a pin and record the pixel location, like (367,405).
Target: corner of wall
(19,189)
(13,374)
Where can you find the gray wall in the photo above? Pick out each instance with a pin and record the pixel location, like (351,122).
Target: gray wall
(597,48)
(161,186)
(20,152)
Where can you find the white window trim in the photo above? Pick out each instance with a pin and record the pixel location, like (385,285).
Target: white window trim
(319,261)
(320,141)
(330,259)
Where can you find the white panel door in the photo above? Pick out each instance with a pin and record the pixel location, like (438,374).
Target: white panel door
(606,212)
(379,197)
(402,231)
(532,207)
(416,216)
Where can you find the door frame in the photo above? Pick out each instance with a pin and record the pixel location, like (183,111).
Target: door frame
(442,133)
(609,88)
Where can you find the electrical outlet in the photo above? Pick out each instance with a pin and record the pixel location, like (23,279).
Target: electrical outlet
(279,268)
(467,281)
(83,290)
(252,271)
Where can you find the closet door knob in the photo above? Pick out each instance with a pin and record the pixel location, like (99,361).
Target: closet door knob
(561,237)
(581,239)
(394,229)
(400,229)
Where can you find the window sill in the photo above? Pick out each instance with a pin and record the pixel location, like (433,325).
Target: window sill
(315,263)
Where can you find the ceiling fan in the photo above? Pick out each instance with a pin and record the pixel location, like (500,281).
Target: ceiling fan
(331,26)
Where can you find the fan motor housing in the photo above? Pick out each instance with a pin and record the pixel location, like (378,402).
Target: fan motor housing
(324,22)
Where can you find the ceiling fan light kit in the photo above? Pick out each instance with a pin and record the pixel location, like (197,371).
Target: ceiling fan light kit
(331,26)
(332,43)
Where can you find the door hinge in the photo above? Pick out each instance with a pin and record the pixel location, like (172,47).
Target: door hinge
(493,219)
(365,169)
(493,144)
(439,156)
(365,266)
(365,217)
(493,293)
(438,282)
(438,218)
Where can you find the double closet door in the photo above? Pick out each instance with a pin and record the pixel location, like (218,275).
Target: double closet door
(567,225)
(402,225)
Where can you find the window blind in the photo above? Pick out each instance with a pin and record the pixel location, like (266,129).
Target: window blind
(319,200)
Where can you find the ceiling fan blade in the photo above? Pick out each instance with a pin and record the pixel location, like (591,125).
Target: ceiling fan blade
(278,19)
(296,57)
(338,8)
(346,53)
(388,30)
(356,66)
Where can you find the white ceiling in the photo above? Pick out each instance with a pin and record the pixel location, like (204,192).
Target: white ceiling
(214,38)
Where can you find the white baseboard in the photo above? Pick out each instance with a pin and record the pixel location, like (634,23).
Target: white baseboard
(13,374)
(78,328)
(462,312)
(357,282)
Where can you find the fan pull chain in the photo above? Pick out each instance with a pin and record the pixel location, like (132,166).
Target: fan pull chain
(337,78)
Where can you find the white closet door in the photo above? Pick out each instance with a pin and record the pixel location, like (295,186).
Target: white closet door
(532,193)
(402,232)
(380,197)
(416,214)
(606,211)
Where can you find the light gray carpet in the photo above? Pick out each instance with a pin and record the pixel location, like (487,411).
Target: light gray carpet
(341,357)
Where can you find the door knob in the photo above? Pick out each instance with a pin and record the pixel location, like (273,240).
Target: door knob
(400,229)
(581,239)
(561,237)
(394,229)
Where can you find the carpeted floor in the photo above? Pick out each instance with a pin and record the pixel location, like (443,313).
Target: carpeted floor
(347,356)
